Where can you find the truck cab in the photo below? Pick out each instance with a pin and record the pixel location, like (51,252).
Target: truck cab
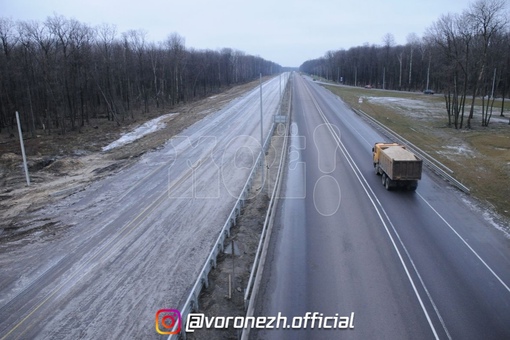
(376,150)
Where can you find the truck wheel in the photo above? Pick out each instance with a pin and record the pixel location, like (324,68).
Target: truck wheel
(383,179)
(376,167)
(387,184)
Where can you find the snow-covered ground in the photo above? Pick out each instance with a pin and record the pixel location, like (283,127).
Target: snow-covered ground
(419,108)
(144,129)
(461,150)
(411,107)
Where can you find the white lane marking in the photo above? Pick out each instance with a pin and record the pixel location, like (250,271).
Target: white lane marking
(355,130)
(353,166)
(352,127)
(347,123)
(457,234)
(467,245)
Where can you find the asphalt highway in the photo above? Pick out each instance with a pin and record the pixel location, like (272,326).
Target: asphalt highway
(409,265)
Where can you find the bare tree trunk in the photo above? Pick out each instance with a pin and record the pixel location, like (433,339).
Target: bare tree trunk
(503,101)
(32,126)
(448,103)
(471,110)
(410,69)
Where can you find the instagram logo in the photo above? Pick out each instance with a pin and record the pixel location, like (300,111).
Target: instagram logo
(167,319)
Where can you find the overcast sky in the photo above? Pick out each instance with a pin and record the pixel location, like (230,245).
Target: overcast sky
(284,31)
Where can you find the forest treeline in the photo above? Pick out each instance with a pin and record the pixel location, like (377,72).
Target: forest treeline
(461,55)
(60,73)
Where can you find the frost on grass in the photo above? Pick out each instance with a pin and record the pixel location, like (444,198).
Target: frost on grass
(457,150)
(144,129)
(411,107)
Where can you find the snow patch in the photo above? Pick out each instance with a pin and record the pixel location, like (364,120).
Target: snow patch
(409,103)
(411,107)
(144,129)
(457,150)
(489,218)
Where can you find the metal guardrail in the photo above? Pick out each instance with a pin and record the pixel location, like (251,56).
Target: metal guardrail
(258,263)
(432,163)
(269,214)
(191,303)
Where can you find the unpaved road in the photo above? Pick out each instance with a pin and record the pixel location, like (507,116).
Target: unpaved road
(110,256)
(60,165)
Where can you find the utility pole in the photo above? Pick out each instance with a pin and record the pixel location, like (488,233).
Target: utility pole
(262,156)
(280,105)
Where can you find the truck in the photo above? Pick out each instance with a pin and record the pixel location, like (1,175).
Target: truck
(398,167)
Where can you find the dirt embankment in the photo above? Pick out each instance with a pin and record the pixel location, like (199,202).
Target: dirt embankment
(60,165)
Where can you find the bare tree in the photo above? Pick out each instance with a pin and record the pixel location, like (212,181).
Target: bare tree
(176,51)
(9,40)
(60,73)
(486,19)
(413,41)
(453,43)
(389,42)
(460,54)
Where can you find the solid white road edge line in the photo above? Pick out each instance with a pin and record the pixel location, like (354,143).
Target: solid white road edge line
(467,245)
(349,158)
